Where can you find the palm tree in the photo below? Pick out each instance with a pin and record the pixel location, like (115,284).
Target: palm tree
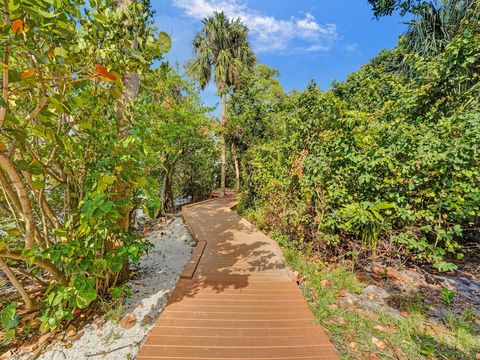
(436,23)
(221,49)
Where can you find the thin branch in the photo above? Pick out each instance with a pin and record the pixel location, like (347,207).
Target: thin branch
(16,284)
(7,164)
(28,118)
(41,263)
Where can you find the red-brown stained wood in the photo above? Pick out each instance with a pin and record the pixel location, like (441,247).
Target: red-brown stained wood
(235,298)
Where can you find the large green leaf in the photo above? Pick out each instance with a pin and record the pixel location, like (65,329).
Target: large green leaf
(85,297)
(165,42)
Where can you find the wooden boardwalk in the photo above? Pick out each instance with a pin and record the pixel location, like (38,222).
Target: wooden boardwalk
(235,298)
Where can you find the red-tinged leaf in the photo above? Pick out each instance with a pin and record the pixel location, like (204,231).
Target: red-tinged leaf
(28,73)
(17,26)
(103,73)
(51,52)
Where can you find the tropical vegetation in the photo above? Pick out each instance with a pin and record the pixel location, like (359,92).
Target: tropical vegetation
(384,162)
(90,134)
(97,130)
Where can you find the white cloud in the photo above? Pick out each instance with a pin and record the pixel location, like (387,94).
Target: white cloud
(351,48)
(268,33)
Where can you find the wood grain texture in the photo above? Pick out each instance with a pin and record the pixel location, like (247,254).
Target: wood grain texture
(235,298)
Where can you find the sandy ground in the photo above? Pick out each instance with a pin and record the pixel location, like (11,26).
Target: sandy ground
(157,275)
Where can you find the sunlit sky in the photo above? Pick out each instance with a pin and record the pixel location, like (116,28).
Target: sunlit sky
(324,40)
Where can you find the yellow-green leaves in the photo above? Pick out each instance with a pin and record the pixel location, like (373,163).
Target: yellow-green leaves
(165,42)
(105,181)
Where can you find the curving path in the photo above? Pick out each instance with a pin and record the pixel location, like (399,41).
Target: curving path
(235,298)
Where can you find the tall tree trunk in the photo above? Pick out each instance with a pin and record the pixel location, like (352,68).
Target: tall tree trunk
(6,56)
(16,284)
(237,168)
(131,82)
(167,192)
(222,144)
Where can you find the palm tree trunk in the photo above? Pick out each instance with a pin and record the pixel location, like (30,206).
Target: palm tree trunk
(222,144)
(237,168)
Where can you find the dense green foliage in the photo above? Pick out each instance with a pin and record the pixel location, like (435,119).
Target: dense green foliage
(385,158)
(78,156)
(180,152)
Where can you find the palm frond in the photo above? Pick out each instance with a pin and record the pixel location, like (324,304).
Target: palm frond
(222,49)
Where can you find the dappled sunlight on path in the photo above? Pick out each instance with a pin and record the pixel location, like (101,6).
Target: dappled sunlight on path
(236,299)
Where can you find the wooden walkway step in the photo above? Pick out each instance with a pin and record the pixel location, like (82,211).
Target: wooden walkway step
(235,298)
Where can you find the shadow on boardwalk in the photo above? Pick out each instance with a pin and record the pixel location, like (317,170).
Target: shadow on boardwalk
(228,263)
(239,303)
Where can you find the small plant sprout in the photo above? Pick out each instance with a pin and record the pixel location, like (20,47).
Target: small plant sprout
(448,296)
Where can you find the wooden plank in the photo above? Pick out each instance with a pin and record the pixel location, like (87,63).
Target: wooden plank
(241,342)
(238,309)
(237,324)
(249,358)
(235,299)
(311,330)
(245,295)
(192,263)
(320,351)
(251,316)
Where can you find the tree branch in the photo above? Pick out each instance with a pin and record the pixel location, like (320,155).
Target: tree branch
(7,164)
(16,284)
(43,264)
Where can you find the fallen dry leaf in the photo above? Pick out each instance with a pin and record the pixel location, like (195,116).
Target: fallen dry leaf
(71,331)
(29,317)
(361,278)
(44,338)
(385,329)
(326,283)
(6,355)
(339,320)
(362,312)
(147,319)
(127,322)
(393,273)
(378,270)
(403,314)
(378,343)
(342,293)
(353,345)
(399,353)
(77,336)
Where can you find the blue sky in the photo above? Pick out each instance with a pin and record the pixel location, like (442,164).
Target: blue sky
(324,40)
